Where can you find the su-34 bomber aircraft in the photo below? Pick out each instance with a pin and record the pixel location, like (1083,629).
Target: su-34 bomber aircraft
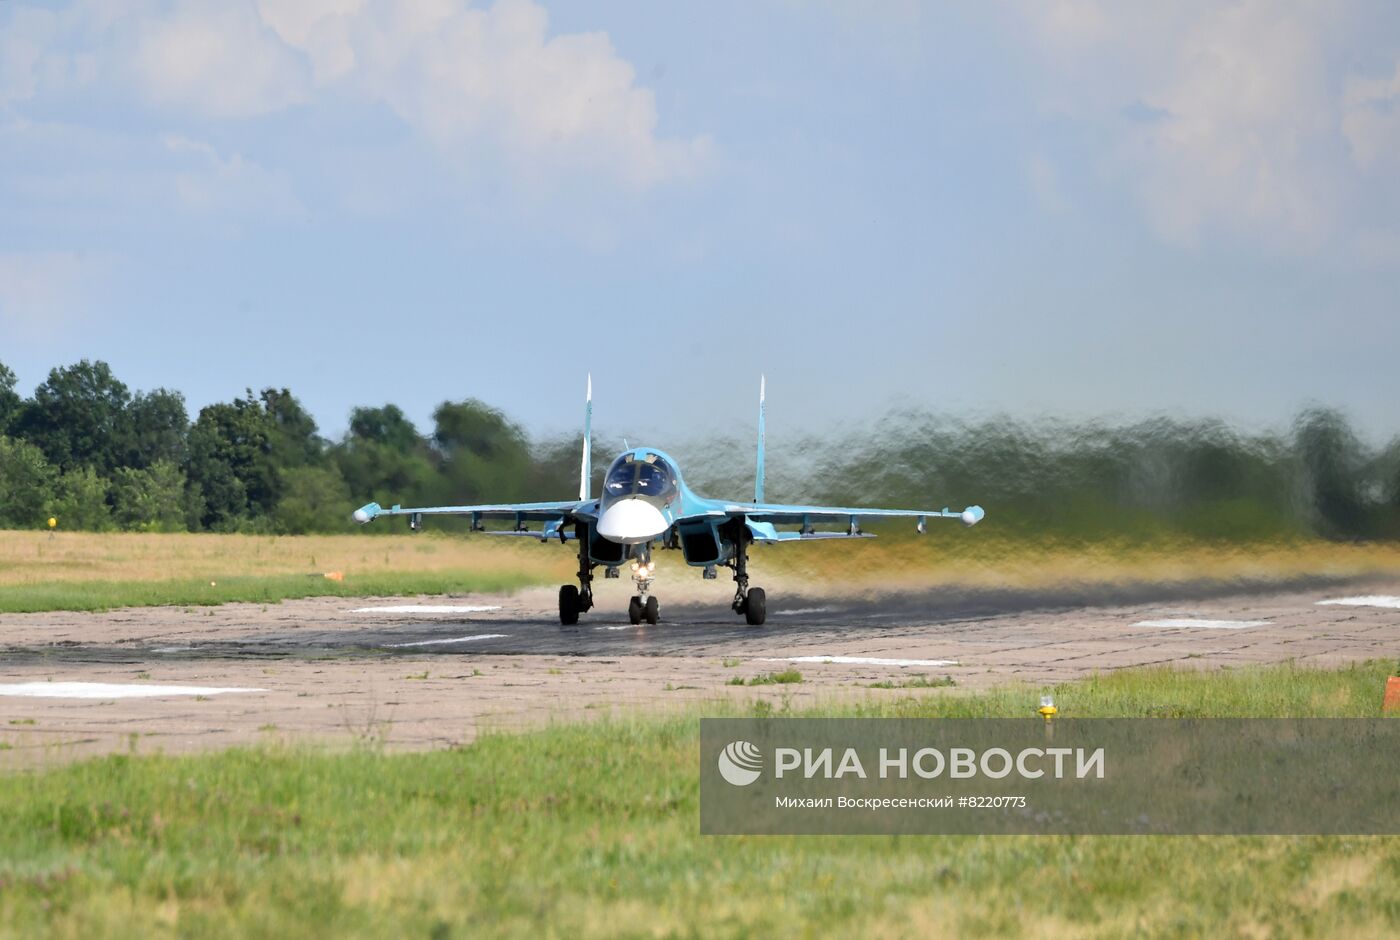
(646,503)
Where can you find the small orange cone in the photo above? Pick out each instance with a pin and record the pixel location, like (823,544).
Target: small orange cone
(1392,695)
(339,576)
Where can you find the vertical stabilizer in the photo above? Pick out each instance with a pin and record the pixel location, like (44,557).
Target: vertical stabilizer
(758,469)
(585,476)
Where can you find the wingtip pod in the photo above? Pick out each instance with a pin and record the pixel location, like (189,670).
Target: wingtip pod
(366,513)
(972,515)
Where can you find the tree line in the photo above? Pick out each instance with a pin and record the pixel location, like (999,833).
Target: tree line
(87,449)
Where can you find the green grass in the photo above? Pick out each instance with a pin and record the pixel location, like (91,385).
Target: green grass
(196,592)
(786,677)
(591,830)
(913,682)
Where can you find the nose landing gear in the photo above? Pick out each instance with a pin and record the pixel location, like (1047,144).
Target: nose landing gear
(639,610)
(643,605)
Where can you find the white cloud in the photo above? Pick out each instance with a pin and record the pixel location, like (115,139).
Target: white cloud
(1244,111)
(208,181)
(219,60)
(70,180)
(1372,119)
(459,75)
(1234,120)
(488,89)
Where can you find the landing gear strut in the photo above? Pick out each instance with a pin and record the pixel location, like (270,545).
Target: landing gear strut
(643,605)
(751,602)
(576,600)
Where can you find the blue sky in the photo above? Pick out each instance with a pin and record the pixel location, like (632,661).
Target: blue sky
(1065,208)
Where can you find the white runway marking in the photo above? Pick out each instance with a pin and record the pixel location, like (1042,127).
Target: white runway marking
(1192,623)
(1370,600)
(107,690)
(458,639)
(424,609)
(800,611)
(861,660)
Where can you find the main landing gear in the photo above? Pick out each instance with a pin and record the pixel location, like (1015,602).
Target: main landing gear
(575,600)
(751,602)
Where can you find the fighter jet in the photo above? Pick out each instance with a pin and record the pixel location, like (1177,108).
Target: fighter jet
(645,504)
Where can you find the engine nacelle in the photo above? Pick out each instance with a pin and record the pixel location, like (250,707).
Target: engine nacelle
(704,545)
(604,552)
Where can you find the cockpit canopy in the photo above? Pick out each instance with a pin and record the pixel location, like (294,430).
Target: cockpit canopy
(646,475)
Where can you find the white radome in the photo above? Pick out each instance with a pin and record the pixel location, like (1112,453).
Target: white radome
(631,521)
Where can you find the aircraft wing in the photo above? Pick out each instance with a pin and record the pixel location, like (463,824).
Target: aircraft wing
(763,518)
(553,515)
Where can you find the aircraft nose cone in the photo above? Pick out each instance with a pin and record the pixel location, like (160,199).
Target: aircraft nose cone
(631,521)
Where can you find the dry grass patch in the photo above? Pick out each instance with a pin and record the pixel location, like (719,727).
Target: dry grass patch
(35,557)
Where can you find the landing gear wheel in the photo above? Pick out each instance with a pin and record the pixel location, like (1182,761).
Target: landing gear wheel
(652,610)
(755,607)
(568,605)
(634,610)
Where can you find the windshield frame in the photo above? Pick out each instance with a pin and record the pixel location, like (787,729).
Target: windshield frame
(650,477)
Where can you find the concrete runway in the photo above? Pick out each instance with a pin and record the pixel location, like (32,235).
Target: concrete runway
(326,667)
(526,624)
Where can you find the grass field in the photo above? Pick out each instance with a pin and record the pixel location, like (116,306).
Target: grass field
(591,830)
(90,571)
(87,571)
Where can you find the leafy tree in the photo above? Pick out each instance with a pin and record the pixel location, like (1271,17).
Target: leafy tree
(78,417)
(82,501)
(485,455)
(1331,456)
(314,499)
(555,467)
(292,434)
(159,428)
(383,457)
(27,485)
(230,464)
(387,425)
(149,500)
(9,398)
